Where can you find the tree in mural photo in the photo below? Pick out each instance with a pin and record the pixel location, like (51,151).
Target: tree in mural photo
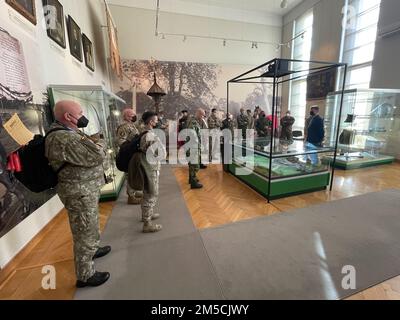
(187,85)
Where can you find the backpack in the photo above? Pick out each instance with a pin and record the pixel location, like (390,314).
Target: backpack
(37,175)
(126,152)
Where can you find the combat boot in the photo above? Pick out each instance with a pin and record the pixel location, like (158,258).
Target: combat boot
(94,281)
(196,185)
(193,179)
(134,200)
(149,227)
(155,216)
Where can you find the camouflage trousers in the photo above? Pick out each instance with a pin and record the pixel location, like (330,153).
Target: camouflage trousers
(150,198)
(83,214)
(193,170)
(131,192)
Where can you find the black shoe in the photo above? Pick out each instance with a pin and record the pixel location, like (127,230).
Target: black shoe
(101,252)
(202,166)
(94,281)
(196,185)
(190,182)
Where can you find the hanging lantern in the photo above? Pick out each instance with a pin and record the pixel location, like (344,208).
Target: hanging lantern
(156,93)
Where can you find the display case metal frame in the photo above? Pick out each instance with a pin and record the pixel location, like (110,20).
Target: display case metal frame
(275,77)
(351,99)
(100,95)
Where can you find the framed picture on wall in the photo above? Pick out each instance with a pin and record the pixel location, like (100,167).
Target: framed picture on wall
(74,37)
(320,84)
(54,16)
(25,7)
(88,52)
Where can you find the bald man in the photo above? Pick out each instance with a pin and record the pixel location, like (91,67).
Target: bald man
(126,132)
(195,123)
(78,159)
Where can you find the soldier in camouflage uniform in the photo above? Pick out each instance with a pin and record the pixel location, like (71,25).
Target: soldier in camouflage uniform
(126,132)
(243,122)
(214,124)
(150,144)
(80,179)
(195,123)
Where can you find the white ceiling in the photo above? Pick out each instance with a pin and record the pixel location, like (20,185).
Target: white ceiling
(267,6)
(267,12)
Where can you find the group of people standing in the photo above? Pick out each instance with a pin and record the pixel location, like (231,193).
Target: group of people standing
(79,160)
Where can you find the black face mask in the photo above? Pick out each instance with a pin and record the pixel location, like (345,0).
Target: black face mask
(134,119)
(82,122)
(312,113)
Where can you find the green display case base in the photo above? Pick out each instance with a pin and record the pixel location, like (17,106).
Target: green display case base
(281,188)
(360,163)
(113,193)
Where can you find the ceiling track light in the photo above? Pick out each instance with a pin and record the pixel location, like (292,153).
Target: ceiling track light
(284,4)
(184,38)
(224,43)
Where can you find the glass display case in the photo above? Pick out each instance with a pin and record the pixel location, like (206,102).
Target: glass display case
(367,127)
(103,109)
(273,162)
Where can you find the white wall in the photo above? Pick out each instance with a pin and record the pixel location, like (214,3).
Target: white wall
(47,63)
(136,31)
(386,66)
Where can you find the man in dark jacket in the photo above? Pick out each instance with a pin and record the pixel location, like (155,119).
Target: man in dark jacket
(315,133)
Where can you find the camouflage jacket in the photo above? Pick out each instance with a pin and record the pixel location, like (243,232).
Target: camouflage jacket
(194,124)
(126,132)
(243,121)
(84,172)
(228,124)
(251,123)
(214,123)
(150,143)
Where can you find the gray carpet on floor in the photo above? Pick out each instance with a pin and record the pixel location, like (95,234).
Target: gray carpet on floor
(300,255)
(295,255)
(171,264)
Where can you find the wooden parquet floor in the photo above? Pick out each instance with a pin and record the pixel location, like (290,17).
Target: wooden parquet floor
(22,277)
(224,199)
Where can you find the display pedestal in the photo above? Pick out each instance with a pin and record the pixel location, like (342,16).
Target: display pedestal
(349,163)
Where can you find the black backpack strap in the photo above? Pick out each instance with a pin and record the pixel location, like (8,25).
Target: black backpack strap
(55,130)
(50,132)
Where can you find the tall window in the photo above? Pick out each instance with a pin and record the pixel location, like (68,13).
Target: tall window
(359,41)
(301,50)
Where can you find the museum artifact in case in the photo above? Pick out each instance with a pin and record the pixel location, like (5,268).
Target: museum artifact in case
(367,126)
(103,109)
(272,161)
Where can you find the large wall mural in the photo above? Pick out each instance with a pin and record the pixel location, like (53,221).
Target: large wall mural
(17,202)
(189,86)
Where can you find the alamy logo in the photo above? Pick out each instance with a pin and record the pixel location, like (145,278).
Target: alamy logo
(349,280)
(349,21)
(49,280)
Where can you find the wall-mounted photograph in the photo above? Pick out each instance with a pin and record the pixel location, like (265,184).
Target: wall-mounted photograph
(74,37)
(54,15)
(26,8)
(88,52)
(320,84)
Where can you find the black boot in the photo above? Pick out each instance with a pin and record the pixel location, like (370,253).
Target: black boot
(94,281)
(196,185)
(193,179)
(202,166)
(101,252)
